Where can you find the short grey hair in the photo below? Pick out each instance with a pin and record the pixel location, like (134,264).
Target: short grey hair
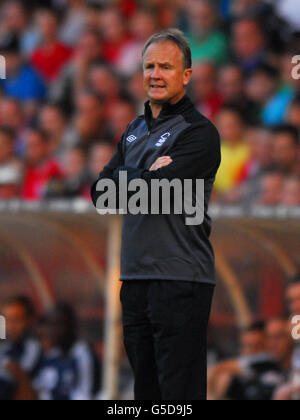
(177,37)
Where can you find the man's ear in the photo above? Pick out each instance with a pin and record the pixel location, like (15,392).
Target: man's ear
(187,75)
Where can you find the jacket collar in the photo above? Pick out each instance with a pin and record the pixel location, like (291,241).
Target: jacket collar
(168,109)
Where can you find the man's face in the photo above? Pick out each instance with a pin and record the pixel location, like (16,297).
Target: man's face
(231,83)
(230,126)
(253,343)
(36,149)
(47,25)
(51,120)
(202,17)
(271,190)
(279,340)
(99,157)
(17,321)
(247,39)
(291,193)
(13,63)
(204,81)
(6,148)
(75,163)
(293,297)
(285,151)
(294,116)
(89,47)
(165,79)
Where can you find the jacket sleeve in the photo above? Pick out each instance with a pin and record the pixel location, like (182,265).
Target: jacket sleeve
(196,154)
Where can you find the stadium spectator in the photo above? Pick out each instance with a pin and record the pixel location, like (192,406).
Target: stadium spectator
(166,12)
(142,25)
(293,116)
(21,354)
(286,152)
(70,362)
(122,114)
(235,152)
(291,192)
(291,390)
(280,343)
(249,44)
(252,376)
(53,121)
(136,91)
(75,176)
(51,56)
(12,116)
(10,166)
(22,81)
(293,295)
(231,84)
(115,35)
(40,167)
(207,98)
(74,22)
(263,88)
(260,162)
(207,41)
(100,155)
(271,186)
(90,122)
(17,21)
(106,83)
(73,77)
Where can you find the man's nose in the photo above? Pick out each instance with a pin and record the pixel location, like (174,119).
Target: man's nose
(156,73)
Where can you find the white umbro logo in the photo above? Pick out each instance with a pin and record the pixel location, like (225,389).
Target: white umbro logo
(163,139)
(131,139)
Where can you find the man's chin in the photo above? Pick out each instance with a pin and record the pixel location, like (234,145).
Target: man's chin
(158,100)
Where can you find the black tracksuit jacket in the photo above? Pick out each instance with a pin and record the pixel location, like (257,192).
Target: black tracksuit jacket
(163,247)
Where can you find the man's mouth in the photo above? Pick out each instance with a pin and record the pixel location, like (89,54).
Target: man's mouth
(157,87)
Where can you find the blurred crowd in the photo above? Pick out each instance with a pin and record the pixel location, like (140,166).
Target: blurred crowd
(74,82)
(268,366)
(44,358)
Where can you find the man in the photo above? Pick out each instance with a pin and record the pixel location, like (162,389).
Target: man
(286,147)
(71,363)
(167,267)
(252,376)
(21,353)
(291,390)
(22,82)
(280,342)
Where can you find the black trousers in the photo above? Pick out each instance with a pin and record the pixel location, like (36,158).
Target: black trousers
(165,336)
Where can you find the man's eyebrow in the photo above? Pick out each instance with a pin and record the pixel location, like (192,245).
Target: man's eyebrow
(161,64)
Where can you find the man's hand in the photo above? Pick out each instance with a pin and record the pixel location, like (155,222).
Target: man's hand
(161,163)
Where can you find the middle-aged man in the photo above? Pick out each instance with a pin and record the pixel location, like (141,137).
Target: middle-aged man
(167,267)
